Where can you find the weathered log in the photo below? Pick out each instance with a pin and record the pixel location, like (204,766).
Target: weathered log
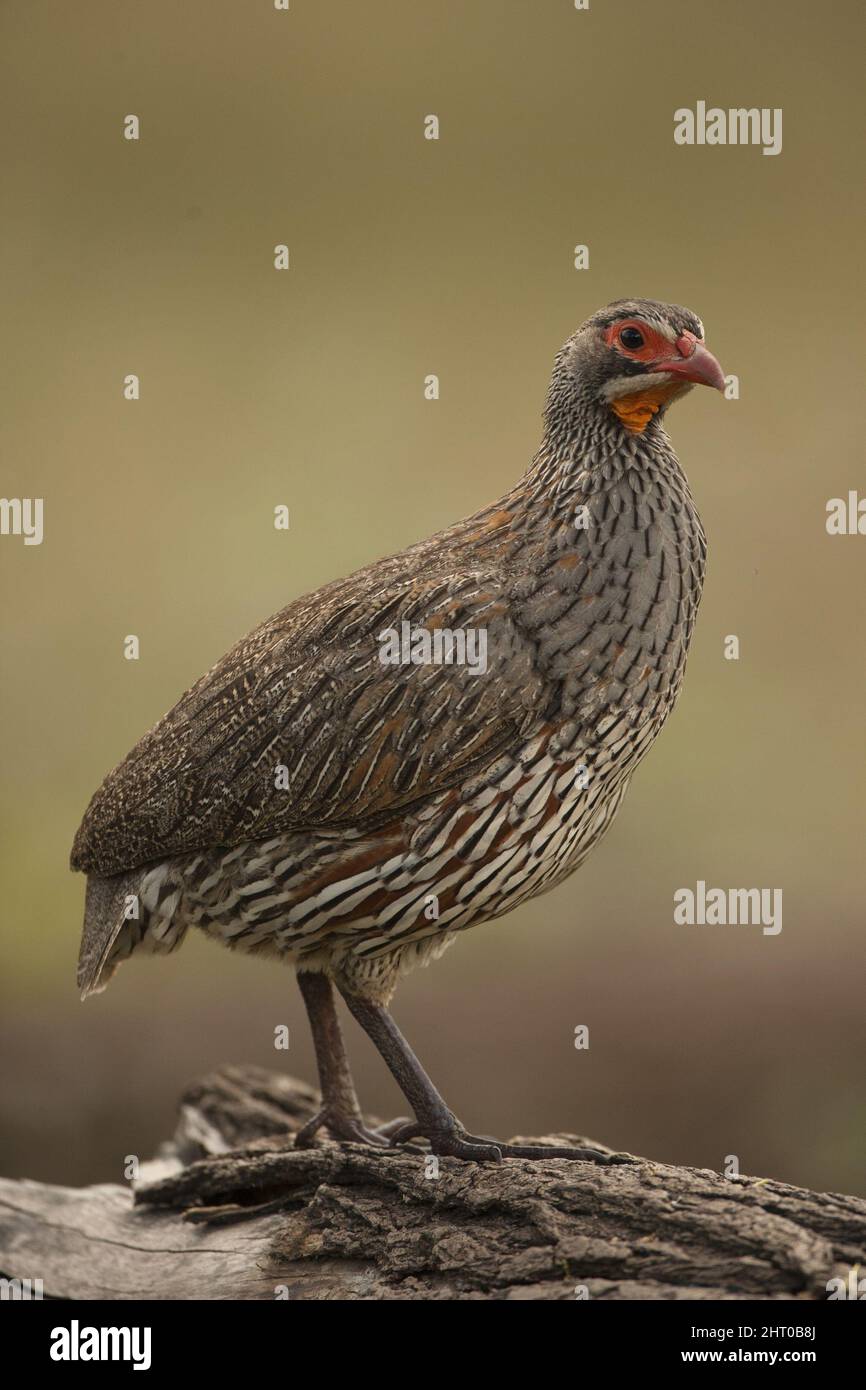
(231,1210)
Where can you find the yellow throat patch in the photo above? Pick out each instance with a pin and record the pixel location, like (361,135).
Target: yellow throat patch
(638,408)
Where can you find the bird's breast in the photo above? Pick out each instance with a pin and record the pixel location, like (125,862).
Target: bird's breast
(614,599)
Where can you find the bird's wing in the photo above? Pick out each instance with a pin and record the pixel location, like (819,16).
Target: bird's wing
(302,725)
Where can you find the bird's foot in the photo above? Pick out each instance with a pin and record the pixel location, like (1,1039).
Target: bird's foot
(449,1140)
(453,1141)
(346,1126)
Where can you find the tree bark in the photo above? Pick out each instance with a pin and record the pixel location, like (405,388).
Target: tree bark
(231,1210)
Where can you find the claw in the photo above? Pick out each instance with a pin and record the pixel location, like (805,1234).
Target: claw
(446,1137)
(350,1128)
(456,1143)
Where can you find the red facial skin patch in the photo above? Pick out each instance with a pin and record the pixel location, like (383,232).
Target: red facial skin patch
(656,347)
(636,409)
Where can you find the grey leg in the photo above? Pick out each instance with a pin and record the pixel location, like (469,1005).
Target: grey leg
(435,1121)
(340,1112)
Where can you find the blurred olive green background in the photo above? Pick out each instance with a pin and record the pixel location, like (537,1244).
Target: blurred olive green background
(411,257)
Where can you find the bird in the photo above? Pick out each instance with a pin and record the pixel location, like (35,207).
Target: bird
(426,744)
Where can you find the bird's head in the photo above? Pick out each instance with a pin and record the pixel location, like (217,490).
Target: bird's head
(632,359)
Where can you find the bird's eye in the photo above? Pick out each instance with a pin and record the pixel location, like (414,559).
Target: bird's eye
(631,338)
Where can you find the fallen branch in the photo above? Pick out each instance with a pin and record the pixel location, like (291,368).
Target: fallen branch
(230,1210)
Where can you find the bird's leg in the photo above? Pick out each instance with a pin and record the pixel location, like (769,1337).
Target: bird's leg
(435,1121)
(340,1113)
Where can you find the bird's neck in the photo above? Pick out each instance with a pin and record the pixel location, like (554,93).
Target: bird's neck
(555,507)
(588,451)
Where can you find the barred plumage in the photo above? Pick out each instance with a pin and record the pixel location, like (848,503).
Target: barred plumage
(306,800)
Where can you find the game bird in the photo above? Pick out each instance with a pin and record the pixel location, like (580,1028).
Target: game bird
(315,799)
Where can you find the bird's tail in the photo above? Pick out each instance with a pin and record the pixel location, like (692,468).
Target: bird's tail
(113,926)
